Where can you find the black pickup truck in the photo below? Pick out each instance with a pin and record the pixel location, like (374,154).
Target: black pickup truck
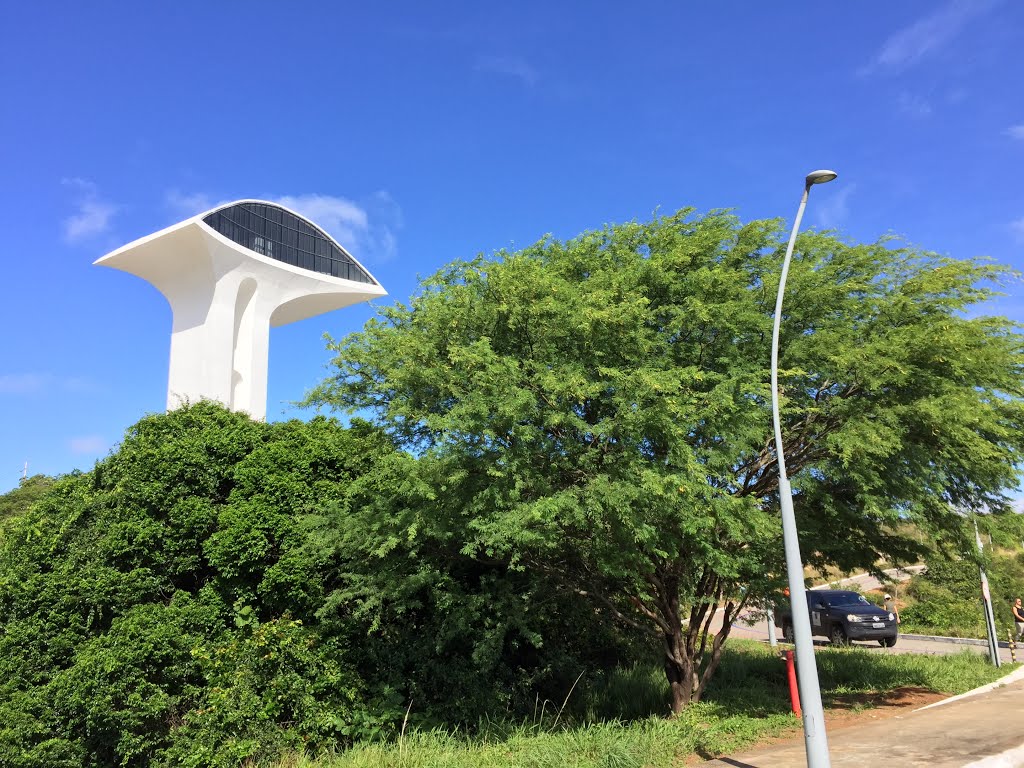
(842,616)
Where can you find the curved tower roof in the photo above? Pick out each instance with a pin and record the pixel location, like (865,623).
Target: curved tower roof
(272,230)
(230,274)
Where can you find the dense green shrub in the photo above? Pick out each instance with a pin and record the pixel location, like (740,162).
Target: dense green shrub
(273,687)
(946,599)
(443,616)
(19,500)
(219,589)
(117,584)
(1003,530)
(939,610)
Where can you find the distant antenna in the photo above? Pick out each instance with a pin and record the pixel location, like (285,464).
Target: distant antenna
(24,472)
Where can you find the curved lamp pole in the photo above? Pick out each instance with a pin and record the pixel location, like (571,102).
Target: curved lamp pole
(816,742)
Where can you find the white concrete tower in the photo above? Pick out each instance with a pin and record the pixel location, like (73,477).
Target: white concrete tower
(229,275)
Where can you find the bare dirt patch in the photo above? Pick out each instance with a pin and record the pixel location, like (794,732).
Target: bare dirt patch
(860,708)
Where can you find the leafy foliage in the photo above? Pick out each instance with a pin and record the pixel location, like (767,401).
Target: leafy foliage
(596,412)
(440,619)
(265,691)
(154,603)
(947,597)
(570,455)
(750,704)
(19,500)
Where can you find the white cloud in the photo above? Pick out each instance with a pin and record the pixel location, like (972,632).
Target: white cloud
(367,230)
(510,66)
(341,218)
(1016,131)
(835,209)
(93,214)
(88,444)
(1017,227)
(927,35)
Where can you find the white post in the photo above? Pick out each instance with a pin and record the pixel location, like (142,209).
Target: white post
(815,739)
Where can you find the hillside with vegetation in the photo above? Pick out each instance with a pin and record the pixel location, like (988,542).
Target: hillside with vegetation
(946,598)
(558,467)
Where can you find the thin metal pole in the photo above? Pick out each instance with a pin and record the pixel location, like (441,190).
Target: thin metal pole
(986,597)
(996,661)
(815,739)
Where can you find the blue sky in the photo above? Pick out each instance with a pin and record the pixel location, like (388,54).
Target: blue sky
(417,133)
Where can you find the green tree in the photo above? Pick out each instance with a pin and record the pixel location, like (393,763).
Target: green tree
(597,411)
(166,599)
(17,501)
(433,618)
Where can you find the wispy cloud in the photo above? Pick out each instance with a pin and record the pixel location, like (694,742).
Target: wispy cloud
(835,209)
(1017,227)
(1016,131)
(510,66)
(368,229)
(92,215)
(927,35)
(338,215)
(88,444)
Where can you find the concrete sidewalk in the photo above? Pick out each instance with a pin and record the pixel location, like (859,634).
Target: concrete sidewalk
(981,730)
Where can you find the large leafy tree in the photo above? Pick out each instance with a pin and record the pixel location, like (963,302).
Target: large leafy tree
(597,412)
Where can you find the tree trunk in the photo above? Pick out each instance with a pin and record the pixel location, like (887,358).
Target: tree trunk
(679,669)
(689,661)
(675,683)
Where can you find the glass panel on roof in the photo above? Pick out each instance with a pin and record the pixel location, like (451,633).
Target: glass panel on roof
(272,231)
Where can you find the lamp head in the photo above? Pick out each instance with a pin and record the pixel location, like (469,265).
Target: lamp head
(820,177)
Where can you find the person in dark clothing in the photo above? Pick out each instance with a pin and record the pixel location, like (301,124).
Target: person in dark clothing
(1018,619)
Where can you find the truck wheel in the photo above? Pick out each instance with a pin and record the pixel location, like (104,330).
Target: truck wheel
(887,642)
(838,636)
(787,633)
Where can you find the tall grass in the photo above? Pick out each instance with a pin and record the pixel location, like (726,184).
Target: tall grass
(619,720)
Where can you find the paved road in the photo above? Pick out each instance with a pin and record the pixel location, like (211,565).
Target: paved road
(751,627)
(978,731)
(983,729)
(905,643)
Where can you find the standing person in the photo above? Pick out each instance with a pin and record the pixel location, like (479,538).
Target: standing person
(890,606)
(1018,619)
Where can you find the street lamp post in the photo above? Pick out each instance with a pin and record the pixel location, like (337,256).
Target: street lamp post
(815,739)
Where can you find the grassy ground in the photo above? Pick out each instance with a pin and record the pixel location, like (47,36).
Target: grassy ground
(620,722)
